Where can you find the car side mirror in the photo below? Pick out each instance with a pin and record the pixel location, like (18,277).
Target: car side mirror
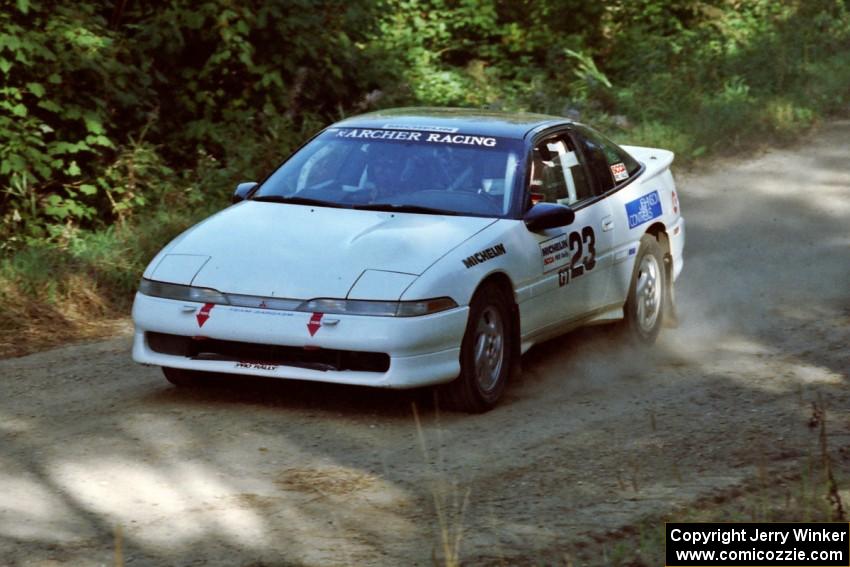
(242,191)
(548,215)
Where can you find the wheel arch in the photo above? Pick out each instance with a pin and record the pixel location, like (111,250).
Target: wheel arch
(503,281)
(659,231)
(500,279)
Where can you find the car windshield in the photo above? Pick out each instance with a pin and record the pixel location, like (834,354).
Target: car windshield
(400,170)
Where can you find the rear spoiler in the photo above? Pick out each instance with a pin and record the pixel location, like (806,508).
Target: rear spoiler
(655,160)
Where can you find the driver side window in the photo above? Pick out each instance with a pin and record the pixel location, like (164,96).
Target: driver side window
(557,176)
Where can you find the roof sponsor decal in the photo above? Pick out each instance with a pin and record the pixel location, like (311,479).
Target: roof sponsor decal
(643,209)
(484,255)
(414,136)
(447,129)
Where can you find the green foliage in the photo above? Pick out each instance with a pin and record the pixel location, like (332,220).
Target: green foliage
(729,74)
(64,76)
(122,122)
(109,107)
(112,109)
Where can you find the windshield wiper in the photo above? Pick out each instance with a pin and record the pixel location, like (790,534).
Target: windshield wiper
(297,201)
(404,209)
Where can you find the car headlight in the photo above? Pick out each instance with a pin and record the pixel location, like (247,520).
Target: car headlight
(182,292)
(336,306)
(378,308)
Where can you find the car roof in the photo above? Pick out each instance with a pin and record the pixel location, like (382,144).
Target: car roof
(450,120)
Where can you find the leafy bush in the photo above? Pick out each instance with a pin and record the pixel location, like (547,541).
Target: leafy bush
(103,102)
(123,122)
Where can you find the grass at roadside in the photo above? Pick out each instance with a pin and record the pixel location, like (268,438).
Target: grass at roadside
(815,488)
(78,285)
(737,119)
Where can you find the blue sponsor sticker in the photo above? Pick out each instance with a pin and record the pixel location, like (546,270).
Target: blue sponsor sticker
(643,209)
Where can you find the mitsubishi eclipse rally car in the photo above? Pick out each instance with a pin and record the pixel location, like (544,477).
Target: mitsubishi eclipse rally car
(415,247)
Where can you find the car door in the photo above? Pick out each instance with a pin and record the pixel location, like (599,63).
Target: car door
(575,258)
(612,169)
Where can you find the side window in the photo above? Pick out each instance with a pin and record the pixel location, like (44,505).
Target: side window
(556,174)
(609,163)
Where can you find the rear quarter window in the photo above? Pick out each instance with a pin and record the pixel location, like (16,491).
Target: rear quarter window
(611,165)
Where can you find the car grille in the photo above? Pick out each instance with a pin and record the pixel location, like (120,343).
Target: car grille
(315,359)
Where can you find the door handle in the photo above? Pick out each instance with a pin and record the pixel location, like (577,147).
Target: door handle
(607,223)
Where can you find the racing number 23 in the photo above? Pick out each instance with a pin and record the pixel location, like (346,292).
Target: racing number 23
(578,241)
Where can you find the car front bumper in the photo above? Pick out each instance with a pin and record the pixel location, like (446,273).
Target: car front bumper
(422,350)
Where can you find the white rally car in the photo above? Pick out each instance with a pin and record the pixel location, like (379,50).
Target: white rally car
(417,247)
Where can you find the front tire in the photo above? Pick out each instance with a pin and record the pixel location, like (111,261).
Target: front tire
(644,309)
(486,355)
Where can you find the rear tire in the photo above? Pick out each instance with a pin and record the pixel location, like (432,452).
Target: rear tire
(182,378)
(644,309)
(486,355)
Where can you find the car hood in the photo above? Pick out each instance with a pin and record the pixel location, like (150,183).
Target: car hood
(304,252)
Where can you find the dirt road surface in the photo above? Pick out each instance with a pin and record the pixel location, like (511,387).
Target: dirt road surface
(100,454)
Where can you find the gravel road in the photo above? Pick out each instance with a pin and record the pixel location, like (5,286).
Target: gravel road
(99,454)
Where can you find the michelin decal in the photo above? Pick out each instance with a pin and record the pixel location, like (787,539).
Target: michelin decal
(484,255)
(555,252)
